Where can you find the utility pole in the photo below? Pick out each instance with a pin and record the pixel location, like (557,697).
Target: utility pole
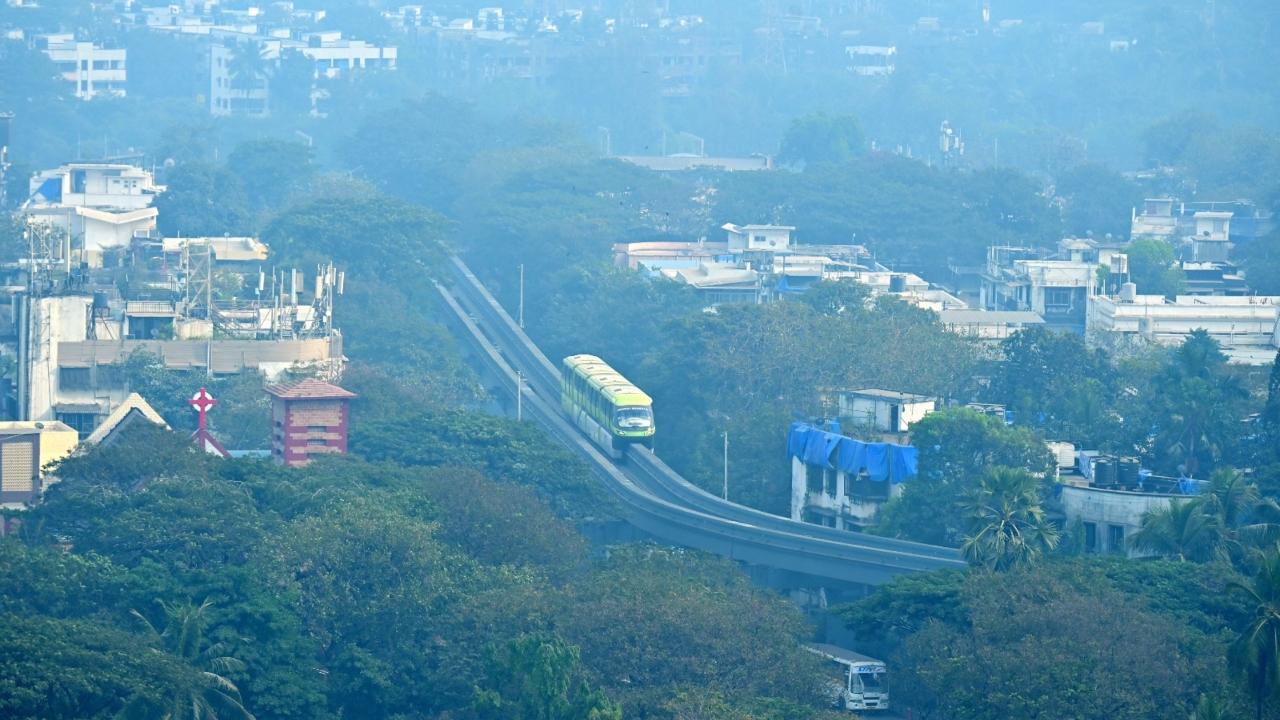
(520,312)
(519,396)
(726,465)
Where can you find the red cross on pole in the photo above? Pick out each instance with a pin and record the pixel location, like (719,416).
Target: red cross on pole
(202,401)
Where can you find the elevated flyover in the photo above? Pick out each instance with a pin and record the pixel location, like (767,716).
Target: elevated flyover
(657,499)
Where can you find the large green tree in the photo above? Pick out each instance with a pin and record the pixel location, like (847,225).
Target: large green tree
(539,678)
(1197,408)
(203,200)
(988,645)
(821,138)
(957,446)
(1153,268)
(1072,401)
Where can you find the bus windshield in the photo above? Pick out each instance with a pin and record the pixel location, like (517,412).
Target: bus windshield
(634,418)
(871,682)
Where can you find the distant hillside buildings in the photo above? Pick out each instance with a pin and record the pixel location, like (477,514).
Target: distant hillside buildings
(98,287)
(93,71)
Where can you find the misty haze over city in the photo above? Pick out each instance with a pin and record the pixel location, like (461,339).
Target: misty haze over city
(644,359)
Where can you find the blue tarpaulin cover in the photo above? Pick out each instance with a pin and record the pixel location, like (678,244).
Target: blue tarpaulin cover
(903,463)
(853,455)
(878,461)
(51,190)
(796,439)
(819,446)
(882,461)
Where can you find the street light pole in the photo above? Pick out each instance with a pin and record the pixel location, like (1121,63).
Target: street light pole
(519,396)
(726,465)
(520,312)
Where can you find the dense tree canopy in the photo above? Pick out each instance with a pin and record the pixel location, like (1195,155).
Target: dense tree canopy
(957,446)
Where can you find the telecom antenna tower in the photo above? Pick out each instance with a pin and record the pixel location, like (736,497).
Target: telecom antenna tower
(773,37)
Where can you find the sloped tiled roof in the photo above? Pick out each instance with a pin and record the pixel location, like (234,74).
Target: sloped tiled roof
(308,389)
(131,405)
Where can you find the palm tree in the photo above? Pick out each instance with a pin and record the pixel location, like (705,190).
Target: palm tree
(1182,530)
(248,67)
(1007,525)
(1210,709)
(1256,652)
(1247,519)
(212,696)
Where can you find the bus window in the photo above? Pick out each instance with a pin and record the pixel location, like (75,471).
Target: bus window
(869,682)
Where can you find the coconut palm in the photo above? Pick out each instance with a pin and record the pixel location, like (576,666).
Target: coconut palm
(1007,525)
(1248,520)
(212,696)
(1256,652)
(248,67)
(1183,530)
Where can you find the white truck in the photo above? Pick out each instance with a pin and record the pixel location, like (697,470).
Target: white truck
(858,682)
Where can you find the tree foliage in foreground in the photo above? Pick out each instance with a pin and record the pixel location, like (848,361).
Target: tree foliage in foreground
(957,447)
(1096,637)
(365,590)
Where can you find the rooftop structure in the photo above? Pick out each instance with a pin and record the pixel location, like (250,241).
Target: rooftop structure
(93,71)
(1056,288)
(883,411)
(871,59)
(759,238)
(96,206)
(241,66)
(1246,327)
(681,163)
(841,482)
(1108,496)
(721,283)
(132,411)
(988,324)
(26,449)
(309,418)
(74,334)
(1204,221)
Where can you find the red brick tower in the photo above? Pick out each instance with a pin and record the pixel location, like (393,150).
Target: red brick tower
(308,417)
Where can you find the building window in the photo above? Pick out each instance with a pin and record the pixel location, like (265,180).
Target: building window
(1091,537)
(829,481)
(315,443)
(83,423)
(73,378)
(862,487)
(813,478)
(1115,539)
(1058,298)
(317,428)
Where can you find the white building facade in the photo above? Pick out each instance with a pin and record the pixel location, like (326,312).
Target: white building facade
(1246,327)
(92,70)
(93,206)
